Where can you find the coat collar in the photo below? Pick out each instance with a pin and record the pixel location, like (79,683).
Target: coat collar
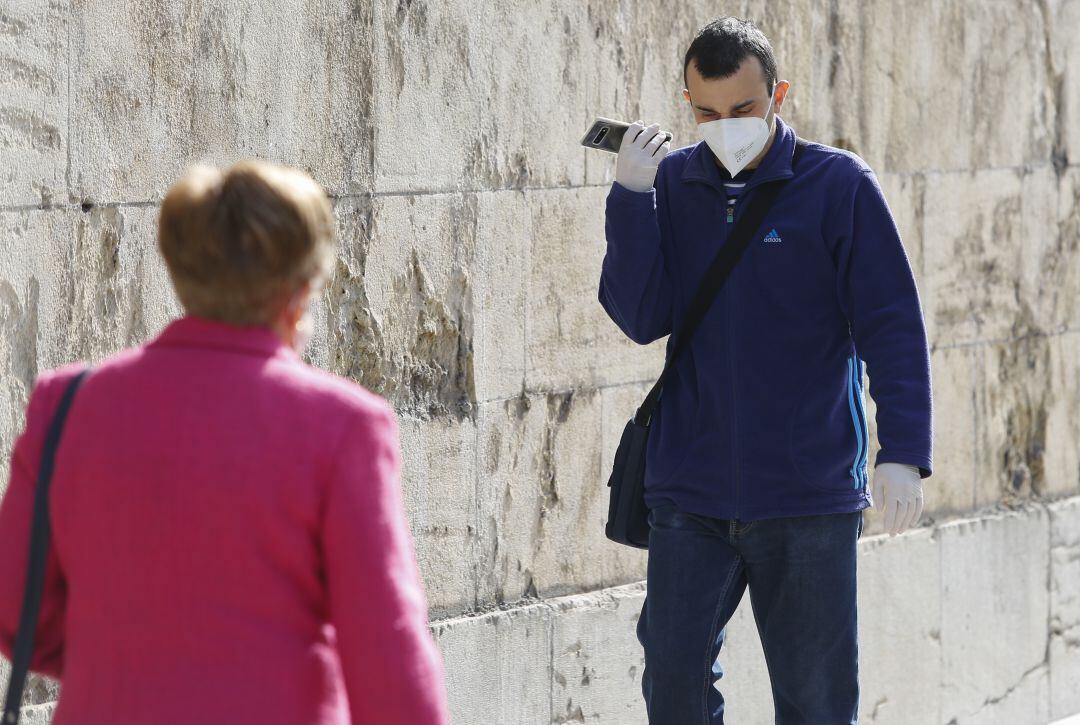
(204,333)
(701,165)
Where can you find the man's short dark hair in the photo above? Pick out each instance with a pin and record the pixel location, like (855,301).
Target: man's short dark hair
(721,46)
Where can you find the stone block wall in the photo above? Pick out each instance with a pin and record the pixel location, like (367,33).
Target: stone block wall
(471,230)
(972,621)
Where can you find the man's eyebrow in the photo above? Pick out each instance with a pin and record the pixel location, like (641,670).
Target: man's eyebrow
(736,107)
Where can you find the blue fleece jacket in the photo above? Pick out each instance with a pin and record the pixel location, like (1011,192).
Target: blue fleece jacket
(763,415)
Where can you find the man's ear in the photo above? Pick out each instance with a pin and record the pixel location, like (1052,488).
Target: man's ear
(782,88)
(686,95)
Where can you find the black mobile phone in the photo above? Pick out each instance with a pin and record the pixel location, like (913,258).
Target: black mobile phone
(607,135)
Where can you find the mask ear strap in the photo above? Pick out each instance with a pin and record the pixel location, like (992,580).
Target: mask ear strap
(772,102)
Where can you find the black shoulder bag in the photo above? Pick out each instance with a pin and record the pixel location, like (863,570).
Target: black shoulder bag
(628,516)
(39,549)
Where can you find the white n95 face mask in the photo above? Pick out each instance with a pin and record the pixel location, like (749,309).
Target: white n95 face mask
(737,141)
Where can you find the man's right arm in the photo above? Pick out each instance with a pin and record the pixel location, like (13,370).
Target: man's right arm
(635,287)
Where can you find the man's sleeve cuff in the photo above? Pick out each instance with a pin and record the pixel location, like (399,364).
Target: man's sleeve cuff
(923,463)
(621,194)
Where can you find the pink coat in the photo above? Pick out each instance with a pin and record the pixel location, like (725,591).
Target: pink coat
(229,543)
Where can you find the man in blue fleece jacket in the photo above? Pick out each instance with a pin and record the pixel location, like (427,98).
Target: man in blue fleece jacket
(757,460)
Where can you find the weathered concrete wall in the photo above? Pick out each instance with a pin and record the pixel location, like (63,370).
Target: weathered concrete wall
(932,652)
(472,233)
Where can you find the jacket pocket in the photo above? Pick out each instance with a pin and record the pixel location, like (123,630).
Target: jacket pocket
(827,434)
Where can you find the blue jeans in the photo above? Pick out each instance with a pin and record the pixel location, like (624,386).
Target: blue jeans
(801,575)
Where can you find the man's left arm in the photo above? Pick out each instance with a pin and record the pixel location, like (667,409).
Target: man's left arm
(881,301)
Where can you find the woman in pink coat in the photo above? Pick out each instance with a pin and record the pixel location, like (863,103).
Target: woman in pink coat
(229,544)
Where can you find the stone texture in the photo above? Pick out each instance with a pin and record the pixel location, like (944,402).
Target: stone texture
(1064,608)
(956,454)
(1011,420)
(498,278)
(918,118)
(38,714)
(33,102)
(73,285)
(467,118)
(900,601)
(402,311)
(628,79)
(572,552)
(543,500)
(471,224)
(514,502)
(576,659)
(1051,252)
(950,487)
(1024,702)
(38,694)
(1061,461)
(120,291)
(427,304)
(131,98)
(439,481)
(804,66)
(905,195)
(978,227)
(34,248)
(954,626)
(596,659)
(464,269)
(1026,348)
(1061,17)
(1059,260)
(345,338)
(156,86)
(571,342)
(304,99)
(994,608)
(598,662)
(498,666)
(517,501)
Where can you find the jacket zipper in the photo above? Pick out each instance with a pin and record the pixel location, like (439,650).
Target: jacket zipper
(729,295)
(734,402)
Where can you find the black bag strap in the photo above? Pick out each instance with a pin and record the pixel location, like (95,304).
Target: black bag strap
(39,549)
(719,270)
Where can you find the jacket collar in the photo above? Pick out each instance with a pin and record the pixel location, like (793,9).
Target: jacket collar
(701,165)
(203,333)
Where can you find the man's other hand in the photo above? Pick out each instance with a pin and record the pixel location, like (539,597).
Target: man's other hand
(897,490)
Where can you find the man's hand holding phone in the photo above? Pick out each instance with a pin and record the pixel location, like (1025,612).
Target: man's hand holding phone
(640,154)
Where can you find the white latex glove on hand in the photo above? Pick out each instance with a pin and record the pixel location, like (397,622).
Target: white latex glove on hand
(897,490)
(640,154)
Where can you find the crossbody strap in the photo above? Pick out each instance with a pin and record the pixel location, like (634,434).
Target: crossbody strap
(719,270)
(39,549)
